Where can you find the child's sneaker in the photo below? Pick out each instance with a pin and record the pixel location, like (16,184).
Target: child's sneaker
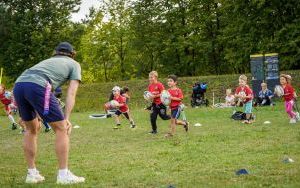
(186,126)
(34,178)
(14,126)
(132,126)
(152,132)
(292,120)
(22,131)
(245,121)
(168,135)
(47,129)
(297,116)
(69,178)
(248,122)
(118,126)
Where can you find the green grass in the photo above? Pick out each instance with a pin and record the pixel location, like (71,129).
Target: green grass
(207,156)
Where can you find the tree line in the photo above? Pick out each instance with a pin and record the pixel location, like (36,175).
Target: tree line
(125,39)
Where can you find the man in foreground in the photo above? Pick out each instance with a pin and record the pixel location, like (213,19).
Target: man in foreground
(33,96)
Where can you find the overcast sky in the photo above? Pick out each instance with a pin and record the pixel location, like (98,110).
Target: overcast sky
(84,9)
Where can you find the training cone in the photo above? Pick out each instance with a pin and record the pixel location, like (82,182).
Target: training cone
(267,122)
(197,124)
(242,172)
(288,160)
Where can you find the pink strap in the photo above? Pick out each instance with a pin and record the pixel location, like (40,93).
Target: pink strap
(47,98)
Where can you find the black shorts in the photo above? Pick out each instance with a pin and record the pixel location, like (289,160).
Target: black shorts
(118,113)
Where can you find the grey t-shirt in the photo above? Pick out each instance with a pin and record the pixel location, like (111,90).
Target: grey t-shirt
(57,69)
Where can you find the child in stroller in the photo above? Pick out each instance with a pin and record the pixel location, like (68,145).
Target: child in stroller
(198,97)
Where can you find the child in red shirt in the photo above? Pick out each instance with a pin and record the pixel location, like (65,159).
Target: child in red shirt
(295,108)
(123,108)
(245,95)
(176,98)
(157,108)
(289,96)
(6,99)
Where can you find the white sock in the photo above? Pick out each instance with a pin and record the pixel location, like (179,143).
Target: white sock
(32,171)
(11,118)
(62,172)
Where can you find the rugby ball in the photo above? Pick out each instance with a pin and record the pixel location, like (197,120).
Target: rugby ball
(113,104)
(242,94)
(278,90)
(148,96)
(165,97)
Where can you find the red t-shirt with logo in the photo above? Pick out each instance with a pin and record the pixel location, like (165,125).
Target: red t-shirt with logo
(175,93)
(122,101)
(155,89)
(245,90)
(288,92)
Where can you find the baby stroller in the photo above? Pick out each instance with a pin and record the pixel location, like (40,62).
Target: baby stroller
(198,97)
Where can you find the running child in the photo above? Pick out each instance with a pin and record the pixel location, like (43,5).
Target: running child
(289,96)
(295,108)
(6,98)
(245,95)
(124,92)
(123,108)
(157,108)
(176,101)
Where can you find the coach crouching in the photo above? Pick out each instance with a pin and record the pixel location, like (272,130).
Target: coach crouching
(33,96)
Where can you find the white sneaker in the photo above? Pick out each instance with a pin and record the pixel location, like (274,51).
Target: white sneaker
(297,116)
(292,120)
(69,178)
(34,178)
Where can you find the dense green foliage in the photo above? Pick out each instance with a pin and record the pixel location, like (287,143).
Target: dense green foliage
(207,156)
(31,29)
(126,39)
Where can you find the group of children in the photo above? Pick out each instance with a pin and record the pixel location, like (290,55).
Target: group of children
(244,95)
(157,108)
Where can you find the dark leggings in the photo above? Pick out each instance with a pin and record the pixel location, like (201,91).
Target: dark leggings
(160,110)
(118,113)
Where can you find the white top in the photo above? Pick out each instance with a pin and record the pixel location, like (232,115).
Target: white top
(229,99)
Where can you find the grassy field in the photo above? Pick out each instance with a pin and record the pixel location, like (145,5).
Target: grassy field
(206,156)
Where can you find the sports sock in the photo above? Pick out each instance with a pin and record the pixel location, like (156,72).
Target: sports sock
(11,118)
(32,171)
(62,172)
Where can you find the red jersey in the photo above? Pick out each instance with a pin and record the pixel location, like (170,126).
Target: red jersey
(156,89)
(245,91)
(175,93)
(122,101)
(4,98)
(288,92)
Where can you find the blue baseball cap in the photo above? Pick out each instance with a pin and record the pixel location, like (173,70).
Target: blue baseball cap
(64,47)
